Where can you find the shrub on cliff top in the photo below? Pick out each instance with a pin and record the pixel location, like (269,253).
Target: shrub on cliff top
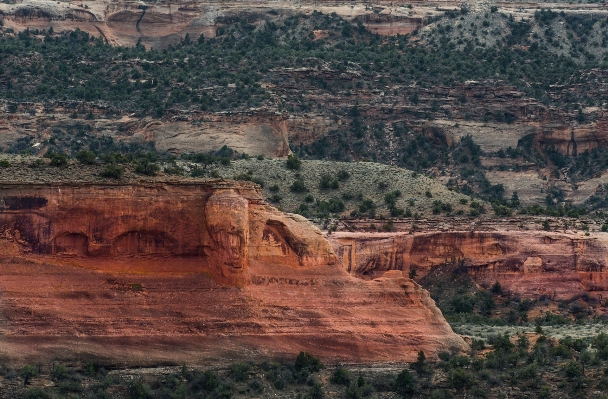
(57,159)
(145,167)
(87,157)
(113,171)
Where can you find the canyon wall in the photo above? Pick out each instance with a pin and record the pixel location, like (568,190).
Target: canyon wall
(527,263)
(170,272)
(162,24)
(210,221)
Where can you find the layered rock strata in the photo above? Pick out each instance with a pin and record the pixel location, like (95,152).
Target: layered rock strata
(527,263)
(162,24)
(153,272)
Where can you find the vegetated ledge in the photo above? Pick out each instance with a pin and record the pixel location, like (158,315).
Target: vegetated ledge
(156,270)
(24,170)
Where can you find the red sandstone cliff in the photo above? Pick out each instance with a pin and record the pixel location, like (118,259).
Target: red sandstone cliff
(529,263)
(152,272)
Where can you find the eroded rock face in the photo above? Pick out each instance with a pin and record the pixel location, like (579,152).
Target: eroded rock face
(186,272)
(227,216)
(530,263)
(160,25)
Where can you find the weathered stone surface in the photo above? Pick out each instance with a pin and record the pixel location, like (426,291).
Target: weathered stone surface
(188,272)
(530,263)
(161,24)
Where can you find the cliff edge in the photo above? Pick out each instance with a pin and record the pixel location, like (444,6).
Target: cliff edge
(153,272)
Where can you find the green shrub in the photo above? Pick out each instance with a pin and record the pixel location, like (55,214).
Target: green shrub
(420,362)
(496,288)
(462,304)
(404,384)
(572,369)
(174,170)
(528,372)
(293,162)
(478,344)
(113,171)
(307,361)
(441,394)
(359,389)
(341,376)
(145,167)
(460,379)
(280,376)
(138,390)
(316,391)
(477,392)
(501,342)
(36,393)
(343,175)
(60,372)
(577,344)
(4,163)
(298,186)
(331,206)
(256,385)
(27,372)
(328,182)
(240,371)
(207,381)
(87,157)
(70,386)
(58,159)
(366,206)
(545,393)
(501,210)
(560,351)
(198,172)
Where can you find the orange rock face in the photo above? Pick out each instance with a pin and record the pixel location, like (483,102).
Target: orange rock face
(531,263)
(189,272)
